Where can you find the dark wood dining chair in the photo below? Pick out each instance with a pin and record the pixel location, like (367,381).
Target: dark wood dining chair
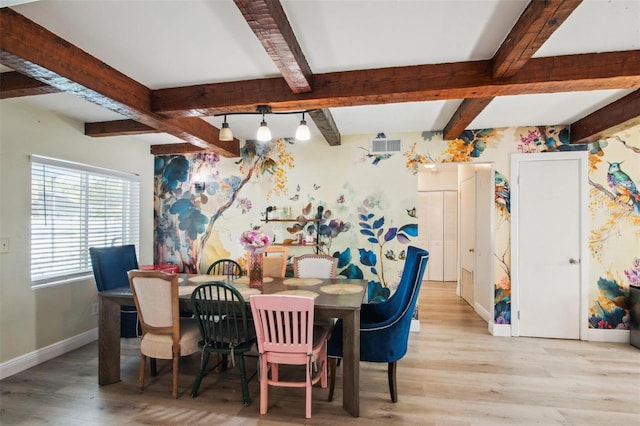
(225,267)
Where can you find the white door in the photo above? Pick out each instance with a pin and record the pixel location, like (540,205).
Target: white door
(467,238)
(548,202)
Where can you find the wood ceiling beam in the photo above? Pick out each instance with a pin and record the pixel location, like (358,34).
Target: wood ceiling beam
(270,24)
(175,148)
(615,117)
(534,27)
(593,71)
(38,53)
(324,121)
(15,85)
(536,24)
(464,115)
(117,128)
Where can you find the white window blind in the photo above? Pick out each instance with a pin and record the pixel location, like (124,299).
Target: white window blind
(74,207)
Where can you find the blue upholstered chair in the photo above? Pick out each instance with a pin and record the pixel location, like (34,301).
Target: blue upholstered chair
(110,267)
(384,327)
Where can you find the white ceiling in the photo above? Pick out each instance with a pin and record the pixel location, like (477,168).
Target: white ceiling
(178,43)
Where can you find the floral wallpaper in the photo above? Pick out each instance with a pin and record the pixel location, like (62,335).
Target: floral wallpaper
(366,205)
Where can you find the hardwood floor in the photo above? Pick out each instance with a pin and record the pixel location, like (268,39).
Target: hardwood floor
(454,374)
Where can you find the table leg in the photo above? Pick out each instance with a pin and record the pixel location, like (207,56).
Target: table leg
(108,342)
(351,361)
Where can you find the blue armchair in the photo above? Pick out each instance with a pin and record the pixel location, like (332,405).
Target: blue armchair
(110,267)
(384,327)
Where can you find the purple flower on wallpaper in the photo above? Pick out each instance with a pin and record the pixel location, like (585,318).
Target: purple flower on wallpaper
(207,157)
(530,142)
(245,205)
(633,274)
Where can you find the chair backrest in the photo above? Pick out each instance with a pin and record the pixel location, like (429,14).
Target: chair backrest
(315,266)
(396,313)
(407,280)
(221,313)
(225,267)
(275,261)
(156,296)
(284,323)
(111,264)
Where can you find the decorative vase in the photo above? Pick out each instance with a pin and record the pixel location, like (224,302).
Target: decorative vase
(254,267)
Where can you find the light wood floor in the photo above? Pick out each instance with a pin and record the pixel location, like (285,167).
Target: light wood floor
(454,374)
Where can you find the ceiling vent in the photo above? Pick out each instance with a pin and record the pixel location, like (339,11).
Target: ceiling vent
(385,146)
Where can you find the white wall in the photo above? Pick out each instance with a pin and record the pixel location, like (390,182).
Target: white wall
(32,319)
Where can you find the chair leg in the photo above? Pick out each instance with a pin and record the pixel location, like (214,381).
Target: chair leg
(143,363)
(176,363)
(392,381)
(332,377)
(264,385)
(308,388)
(154,367)
(204,359)
(243,382)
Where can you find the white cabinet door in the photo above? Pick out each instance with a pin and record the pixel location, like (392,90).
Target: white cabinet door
(438,212)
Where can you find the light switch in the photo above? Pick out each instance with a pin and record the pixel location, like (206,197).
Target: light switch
(4,245)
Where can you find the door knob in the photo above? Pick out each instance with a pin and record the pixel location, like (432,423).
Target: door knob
(472,250)
(574,261)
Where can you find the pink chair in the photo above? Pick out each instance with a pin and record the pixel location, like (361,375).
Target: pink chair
(286,335)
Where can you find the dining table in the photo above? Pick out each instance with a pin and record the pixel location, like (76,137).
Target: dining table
(334,298)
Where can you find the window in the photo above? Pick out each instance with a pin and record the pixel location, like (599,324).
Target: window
(74,207)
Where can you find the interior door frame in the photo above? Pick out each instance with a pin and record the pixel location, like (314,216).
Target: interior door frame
(516,160)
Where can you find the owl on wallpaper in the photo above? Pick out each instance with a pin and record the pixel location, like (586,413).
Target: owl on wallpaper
(622,185)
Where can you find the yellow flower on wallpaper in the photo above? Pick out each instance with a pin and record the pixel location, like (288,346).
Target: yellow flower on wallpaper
(415,160)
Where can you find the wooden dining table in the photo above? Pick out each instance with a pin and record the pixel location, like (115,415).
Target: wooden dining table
(334,298)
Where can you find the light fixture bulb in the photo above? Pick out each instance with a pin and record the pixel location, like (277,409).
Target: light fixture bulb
(226,135)
(264,134)
(302,132)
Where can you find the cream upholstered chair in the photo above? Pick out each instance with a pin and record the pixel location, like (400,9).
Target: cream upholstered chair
(286,335)
(275,261)
(164,334)
(315,266)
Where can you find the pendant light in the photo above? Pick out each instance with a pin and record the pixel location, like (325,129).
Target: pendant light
(226,135)
(264,134)
(302,132)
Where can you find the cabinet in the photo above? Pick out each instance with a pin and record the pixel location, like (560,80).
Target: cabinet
(293,241)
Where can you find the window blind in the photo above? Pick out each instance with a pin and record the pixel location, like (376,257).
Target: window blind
(76,206)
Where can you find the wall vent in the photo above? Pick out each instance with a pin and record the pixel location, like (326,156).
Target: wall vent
(385,146)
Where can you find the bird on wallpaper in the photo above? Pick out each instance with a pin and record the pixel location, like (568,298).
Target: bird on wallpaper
(298,188)
(316,187)
(295,197)
(503,192)
(411,212)
(390,255)
(622,185)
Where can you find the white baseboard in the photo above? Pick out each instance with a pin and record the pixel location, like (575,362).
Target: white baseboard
(23,362)
(500,330)
(604,335)
(480,310)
